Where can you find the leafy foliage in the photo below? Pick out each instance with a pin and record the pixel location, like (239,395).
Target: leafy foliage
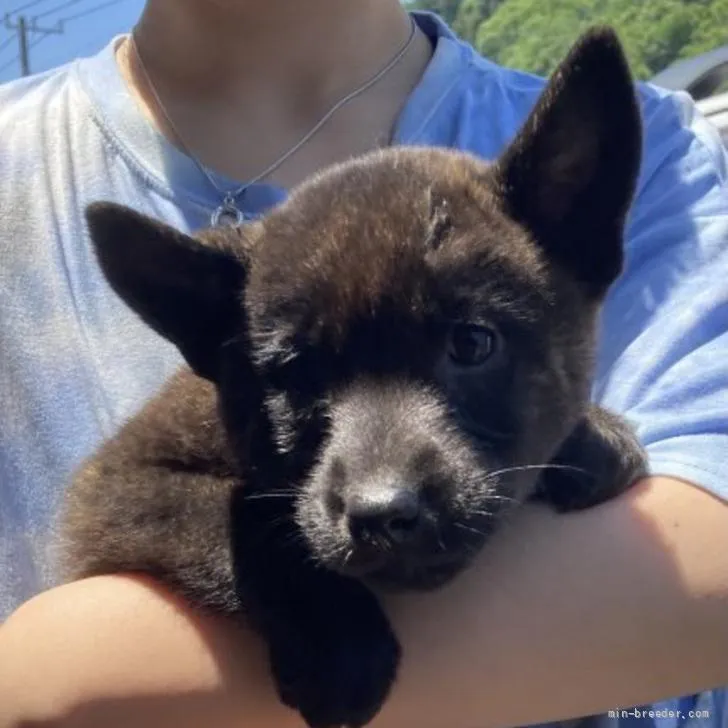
(471,13)
(446,9)
(533,35)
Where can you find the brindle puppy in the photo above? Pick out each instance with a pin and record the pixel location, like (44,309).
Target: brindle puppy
(379,371)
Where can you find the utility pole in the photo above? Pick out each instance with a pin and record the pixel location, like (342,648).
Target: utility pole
(23,28)
(23,38)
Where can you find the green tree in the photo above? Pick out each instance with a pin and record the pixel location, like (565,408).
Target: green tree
(711,27)
(534,35)
(531,34)
(471,14)
(446,9)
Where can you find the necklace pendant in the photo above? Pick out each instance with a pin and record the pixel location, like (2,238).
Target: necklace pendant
(227,214)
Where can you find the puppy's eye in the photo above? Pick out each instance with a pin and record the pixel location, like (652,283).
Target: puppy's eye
(470,345)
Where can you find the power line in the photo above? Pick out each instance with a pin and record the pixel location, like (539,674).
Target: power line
(23,29)
(17,58)
(31,4)
(91,10)
(6,43)
(56,8)
(37,41)
(8,64)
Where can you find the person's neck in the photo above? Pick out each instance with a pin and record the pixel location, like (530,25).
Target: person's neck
(224,48)
(244,80)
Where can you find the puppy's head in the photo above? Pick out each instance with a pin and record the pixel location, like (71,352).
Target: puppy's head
(408,339)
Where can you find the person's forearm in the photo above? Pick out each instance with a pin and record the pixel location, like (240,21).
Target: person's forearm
(117,651)
(560,616)
(565,616)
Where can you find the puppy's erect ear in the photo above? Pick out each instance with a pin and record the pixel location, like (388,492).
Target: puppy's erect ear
(187,292)
(570,174)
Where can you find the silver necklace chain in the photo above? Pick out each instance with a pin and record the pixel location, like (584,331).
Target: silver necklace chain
(228,211)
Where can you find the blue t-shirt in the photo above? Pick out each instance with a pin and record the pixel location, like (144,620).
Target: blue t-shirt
(75,362)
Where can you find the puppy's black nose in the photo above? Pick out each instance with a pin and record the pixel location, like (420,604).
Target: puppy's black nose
(392,513)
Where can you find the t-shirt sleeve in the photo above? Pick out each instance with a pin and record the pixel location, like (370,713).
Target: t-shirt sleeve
(664,338)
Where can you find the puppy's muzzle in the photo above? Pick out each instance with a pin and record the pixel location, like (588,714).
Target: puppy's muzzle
(394,481)
(385,515)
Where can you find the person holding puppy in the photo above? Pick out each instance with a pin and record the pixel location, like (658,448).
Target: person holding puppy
(208,113)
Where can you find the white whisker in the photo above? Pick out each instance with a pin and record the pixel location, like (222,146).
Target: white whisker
(261,496)
(469,528)
(544,466)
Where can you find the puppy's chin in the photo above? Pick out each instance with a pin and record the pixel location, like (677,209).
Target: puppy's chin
(399,578)
(395,571)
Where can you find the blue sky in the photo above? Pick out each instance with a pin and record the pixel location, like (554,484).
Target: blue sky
(82,37)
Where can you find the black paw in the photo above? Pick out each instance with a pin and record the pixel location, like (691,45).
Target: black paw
(601,459)
(336,672)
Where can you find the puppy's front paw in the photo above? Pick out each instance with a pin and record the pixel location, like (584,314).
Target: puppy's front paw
(601,459)
(336,672)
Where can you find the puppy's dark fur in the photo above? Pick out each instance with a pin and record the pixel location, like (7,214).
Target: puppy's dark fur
(380,370)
